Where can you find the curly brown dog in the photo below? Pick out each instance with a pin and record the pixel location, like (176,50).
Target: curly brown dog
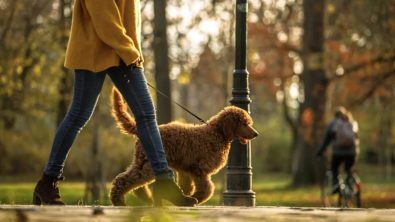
(195,152)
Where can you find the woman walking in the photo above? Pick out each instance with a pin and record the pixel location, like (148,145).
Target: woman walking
(105,40)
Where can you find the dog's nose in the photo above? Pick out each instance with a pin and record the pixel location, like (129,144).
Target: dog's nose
(255,134)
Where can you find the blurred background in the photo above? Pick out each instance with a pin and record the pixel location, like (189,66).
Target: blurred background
(192,43)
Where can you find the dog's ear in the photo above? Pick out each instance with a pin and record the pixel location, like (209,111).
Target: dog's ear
(227,123)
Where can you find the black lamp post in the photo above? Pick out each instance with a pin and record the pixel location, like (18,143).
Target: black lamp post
(239,175)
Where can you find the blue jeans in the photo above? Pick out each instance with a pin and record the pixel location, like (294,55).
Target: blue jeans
(132,84)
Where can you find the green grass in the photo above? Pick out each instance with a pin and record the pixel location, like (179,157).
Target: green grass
(271,190)
(72,194)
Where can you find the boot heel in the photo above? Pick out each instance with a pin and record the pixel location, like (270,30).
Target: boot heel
(157,201)
(36,199)
(169,190)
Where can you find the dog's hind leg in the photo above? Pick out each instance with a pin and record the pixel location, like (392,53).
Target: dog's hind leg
(204,188)
(186,184)
(133,178)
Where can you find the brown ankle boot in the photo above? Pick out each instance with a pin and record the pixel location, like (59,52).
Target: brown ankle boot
(169,190)
(47,191)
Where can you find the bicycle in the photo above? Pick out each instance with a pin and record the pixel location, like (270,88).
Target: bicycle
(349,194)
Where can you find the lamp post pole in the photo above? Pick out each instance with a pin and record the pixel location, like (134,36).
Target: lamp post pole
(239,171)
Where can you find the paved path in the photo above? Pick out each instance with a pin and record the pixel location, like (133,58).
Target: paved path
(28,213)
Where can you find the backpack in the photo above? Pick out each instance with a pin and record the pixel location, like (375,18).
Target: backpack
(345,135)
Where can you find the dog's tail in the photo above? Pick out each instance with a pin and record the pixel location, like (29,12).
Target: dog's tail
(120,113)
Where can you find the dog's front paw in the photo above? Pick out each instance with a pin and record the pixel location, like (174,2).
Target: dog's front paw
(118,201)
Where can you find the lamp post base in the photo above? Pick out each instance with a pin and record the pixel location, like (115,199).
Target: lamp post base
(239,198)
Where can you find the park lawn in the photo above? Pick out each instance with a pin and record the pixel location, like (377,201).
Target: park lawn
(270,191)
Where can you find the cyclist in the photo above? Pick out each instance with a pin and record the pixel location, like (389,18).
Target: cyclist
(341,134)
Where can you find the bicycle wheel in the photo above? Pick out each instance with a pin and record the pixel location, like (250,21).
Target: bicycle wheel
(355,188)
(350,191)
(345,197)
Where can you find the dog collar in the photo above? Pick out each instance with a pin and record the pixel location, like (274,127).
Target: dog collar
(211,126)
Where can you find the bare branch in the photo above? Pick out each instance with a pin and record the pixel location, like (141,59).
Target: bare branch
(379,59)
(371,91)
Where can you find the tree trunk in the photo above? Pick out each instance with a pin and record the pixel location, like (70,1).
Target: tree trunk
(7,113)
(161,62)
(227,70)
(306,169)
(66,82)
(94,178)
(385,139)
(10,105)
(291,123)
(388,171)
(3,157)
(65,89)
(294,144)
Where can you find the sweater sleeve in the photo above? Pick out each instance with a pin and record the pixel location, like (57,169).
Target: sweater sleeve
(326,139)
(108,25)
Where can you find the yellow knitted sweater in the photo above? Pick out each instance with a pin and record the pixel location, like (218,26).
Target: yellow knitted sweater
(102,33)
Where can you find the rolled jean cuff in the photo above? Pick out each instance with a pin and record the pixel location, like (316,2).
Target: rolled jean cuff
(165,175)
(49,173)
